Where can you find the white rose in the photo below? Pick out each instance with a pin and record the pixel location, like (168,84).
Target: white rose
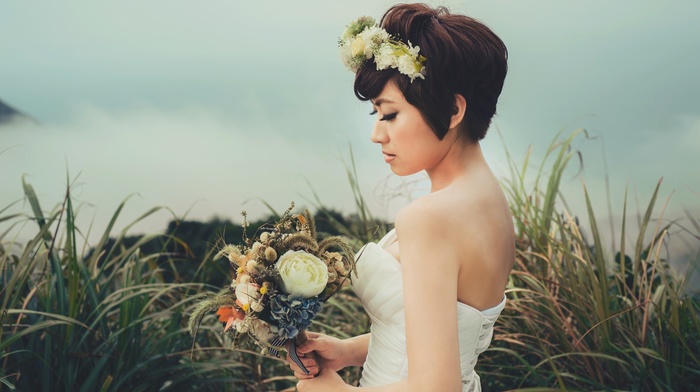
(358,46)
(303,274)
(247,292)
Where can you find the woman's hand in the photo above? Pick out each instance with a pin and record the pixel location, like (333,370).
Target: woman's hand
(327,381)
(330,352)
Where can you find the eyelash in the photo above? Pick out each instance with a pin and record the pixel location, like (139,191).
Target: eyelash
(386,117)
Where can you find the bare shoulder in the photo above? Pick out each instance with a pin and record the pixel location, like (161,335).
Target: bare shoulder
(457,213)
(420,212)
(423,236)
(428,222)
(424,218)
(469,229)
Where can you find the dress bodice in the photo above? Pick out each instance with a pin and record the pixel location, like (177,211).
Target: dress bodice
(379,286)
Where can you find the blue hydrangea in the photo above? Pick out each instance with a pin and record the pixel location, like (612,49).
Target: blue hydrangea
(293,314)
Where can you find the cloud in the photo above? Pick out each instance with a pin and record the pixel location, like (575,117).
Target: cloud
(192,159)
(690,133)
(205,107)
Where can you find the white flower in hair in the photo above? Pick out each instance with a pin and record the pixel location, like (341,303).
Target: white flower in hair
(385,57)
(346,54)
(358,47)
(407,65)
(363,40)
(372,37)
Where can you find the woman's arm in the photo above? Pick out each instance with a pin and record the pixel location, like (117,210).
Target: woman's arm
(356,348)
(331,352)
(430,266)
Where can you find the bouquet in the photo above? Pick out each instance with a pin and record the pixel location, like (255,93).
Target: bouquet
(282,277)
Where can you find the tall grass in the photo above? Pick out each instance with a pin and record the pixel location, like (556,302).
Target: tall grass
(103,318)
(107,317)
(579,316)
(583,317)
(363,226)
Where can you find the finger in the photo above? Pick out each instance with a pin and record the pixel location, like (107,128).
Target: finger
(313,372)
(309,346)
(309,364)
(307,361)
(311,343)
(312,369)
(312,335)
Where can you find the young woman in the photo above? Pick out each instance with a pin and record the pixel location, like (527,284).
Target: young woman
(434,286)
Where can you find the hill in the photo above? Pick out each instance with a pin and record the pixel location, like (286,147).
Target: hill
(8,113)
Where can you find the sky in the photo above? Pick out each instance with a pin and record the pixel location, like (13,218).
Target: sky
(210,108)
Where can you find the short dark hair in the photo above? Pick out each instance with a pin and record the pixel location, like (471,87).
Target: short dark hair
(463,57)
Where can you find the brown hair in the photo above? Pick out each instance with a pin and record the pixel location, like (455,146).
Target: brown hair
(463,57)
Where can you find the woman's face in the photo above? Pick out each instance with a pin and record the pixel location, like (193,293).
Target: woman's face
(409,145)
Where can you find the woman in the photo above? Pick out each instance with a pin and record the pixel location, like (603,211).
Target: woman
(434,286)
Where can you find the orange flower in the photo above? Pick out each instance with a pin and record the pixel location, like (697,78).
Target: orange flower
(229,315)
(224,313)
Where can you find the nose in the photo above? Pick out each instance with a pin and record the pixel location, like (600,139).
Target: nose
(379,134)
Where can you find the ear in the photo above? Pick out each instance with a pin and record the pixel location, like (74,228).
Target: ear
(460,109)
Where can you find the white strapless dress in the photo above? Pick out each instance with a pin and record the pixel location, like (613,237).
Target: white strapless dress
(380,288)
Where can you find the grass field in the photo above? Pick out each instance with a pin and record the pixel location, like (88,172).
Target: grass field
(581,314)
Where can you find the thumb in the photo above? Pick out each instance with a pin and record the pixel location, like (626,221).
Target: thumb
(315,343)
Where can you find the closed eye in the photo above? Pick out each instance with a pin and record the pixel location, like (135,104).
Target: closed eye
(388,117)
(373,112)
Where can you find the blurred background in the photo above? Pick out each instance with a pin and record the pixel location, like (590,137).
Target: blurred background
(208,108)
(211,108)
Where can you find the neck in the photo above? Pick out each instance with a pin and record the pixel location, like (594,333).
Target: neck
(460,158)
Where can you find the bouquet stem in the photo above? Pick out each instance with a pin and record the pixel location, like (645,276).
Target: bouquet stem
(297,341)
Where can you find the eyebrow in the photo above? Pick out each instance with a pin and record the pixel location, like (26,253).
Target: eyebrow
(379,101)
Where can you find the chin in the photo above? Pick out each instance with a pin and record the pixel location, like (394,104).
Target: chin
(402,172)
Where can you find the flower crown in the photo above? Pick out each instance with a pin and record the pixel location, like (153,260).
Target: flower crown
(363,40)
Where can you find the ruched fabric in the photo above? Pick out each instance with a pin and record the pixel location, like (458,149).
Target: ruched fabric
(380,288)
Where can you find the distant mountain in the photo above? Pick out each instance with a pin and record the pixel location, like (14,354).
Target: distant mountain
(8,113)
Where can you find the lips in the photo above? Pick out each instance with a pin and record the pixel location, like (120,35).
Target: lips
(388,157)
